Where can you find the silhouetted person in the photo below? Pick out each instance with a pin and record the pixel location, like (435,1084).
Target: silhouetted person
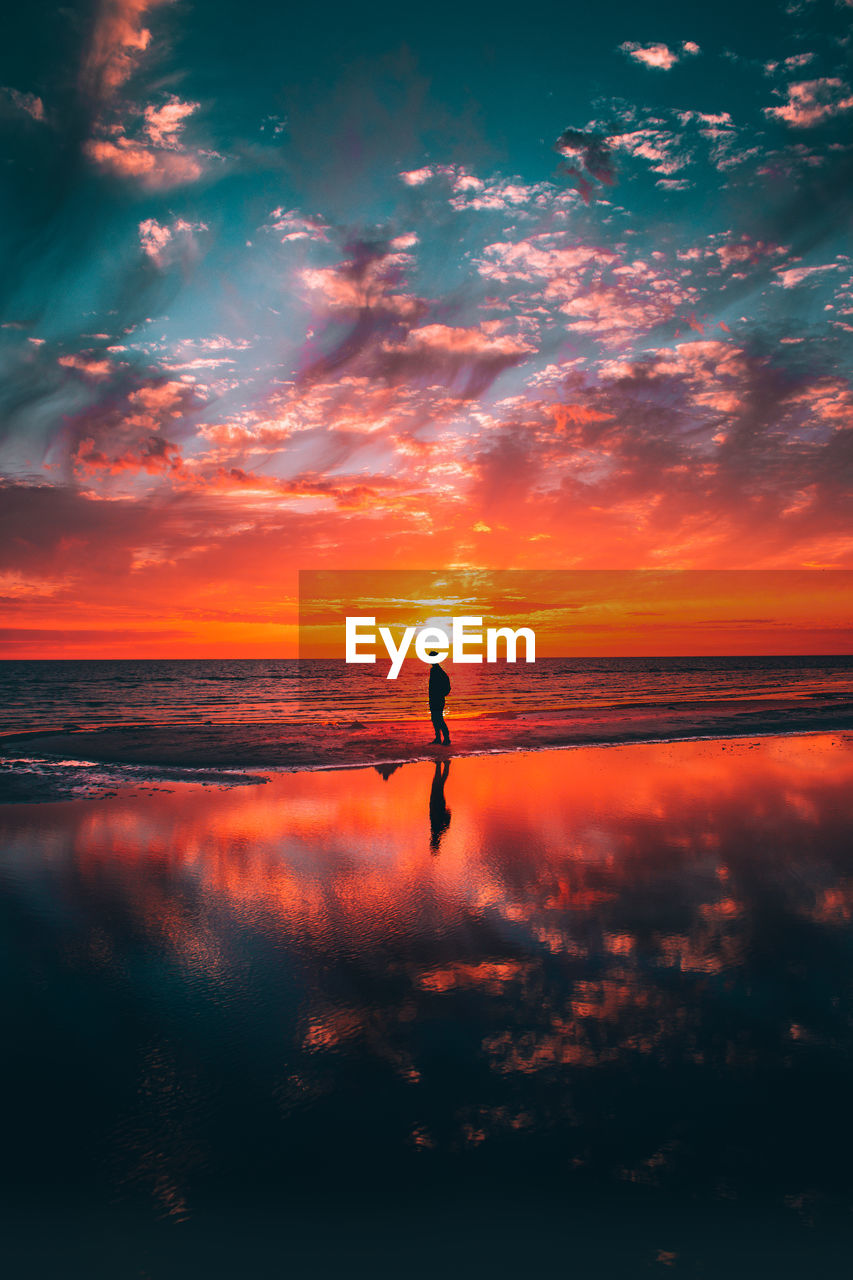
(439,814)
(439,688)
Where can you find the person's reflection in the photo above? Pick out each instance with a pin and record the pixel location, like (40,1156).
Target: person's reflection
(439,814)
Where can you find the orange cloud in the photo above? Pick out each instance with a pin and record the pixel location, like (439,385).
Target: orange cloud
(157,168)
(119,39)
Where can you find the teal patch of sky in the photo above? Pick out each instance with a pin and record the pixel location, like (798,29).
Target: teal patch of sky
(514,80)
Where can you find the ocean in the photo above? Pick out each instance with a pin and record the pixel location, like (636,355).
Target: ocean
(51,695)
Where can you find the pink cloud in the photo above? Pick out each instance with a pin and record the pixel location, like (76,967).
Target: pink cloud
(472,193)
(467,359)
(417,177)
(157,401)
(658,146)
(119,39)
(793,276)
(467,191)
(615,314)
(799,60)
(659,56)
(368,280)
(712,375)
(810,102)
(458,341)
(124,430)
(540,257)
(163,124)
(88,365)
(602,295)
(830,400)
(156,169)
(154,237)
(745,251)
(161,241)
(154,455)
(149,148)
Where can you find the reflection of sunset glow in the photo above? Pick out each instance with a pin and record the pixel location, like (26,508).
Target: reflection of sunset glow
(544,846)
(583,912)
(350,850)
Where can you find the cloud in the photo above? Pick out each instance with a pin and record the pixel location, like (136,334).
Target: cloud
(92,367)
(153,455)
(467,191)
(296,226)
(367,281)
(593,159)
(797,60)
(332,419)
(658,56)
(470,192)
(811,102)
(667,140)
(155,169)
(483,340)
(617,313)
(743,252)
(360,301)
(467,358)
(124,428)
(28,103)
(118,41)
(661,147)
(790,277)
(691,450)
(545,256)
(601,294)
(417,177)
(163,242)
(128,141)
(147,146)
(163,124)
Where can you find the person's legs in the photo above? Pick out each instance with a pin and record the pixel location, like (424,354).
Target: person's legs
(439,723)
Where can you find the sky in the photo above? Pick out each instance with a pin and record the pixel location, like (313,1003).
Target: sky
(455,287)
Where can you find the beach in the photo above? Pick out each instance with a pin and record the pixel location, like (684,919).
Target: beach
(426,659)
(349,744)
(57,719)
(475,1013)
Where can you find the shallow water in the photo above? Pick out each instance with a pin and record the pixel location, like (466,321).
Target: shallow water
(589,1010)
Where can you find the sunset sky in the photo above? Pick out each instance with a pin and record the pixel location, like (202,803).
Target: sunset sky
(569,287)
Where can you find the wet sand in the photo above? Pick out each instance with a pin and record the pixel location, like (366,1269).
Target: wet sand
(347,744)
(477,1017)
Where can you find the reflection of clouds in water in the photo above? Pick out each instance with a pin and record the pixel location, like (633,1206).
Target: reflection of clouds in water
(589,909)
